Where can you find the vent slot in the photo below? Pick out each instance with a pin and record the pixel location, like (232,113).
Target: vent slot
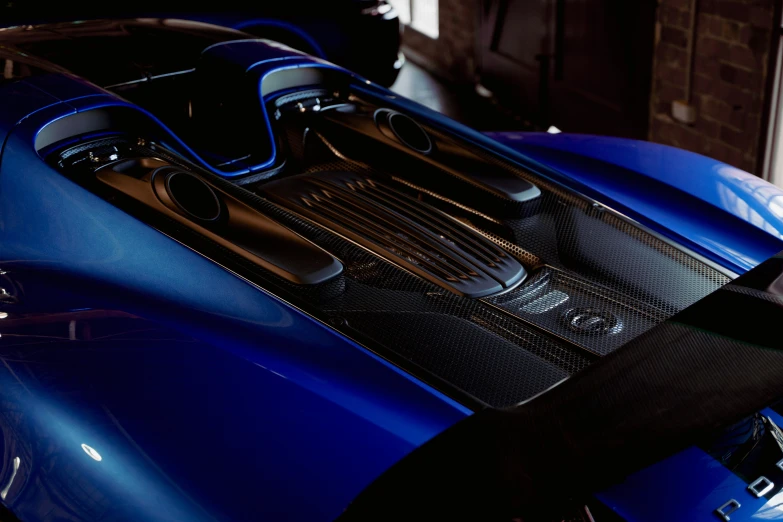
(401,229)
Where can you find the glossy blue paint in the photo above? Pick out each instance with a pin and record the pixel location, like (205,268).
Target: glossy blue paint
(252,386)
(689,486)
(735,216)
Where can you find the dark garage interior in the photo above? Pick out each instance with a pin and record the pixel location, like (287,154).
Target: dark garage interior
(607,67)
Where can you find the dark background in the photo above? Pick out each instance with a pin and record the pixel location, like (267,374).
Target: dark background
(614,67)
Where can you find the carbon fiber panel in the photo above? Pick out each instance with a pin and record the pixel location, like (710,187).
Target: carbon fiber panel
(584,260)
(595,280)
(712,366)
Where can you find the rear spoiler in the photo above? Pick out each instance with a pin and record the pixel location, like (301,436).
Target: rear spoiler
(707,367)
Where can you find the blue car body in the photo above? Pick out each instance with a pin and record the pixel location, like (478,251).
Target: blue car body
(201,396)
(660,184)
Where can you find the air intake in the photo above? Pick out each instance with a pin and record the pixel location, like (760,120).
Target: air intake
(400,229)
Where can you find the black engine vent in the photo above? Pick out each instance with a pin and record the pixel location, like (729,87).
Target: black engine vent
(402,229)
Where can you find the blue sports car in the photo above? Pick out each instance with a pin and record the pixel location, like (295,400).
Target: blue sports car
(361,35)
(238,282)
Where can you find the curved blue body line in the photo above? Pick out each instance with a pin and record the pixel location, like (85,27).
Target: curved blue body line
(99,98)
(735,215)
(253,57)
(266,446)
(260,356)
(244,55)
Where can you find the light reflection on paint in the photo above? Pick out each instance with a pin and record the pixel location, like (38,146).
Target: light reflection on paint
(736,186)
(16,462)
(747,261)
(772,510)
(92,453)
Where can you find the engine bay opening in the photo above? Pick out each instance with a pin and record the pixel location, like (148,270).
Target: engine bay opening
(479,276)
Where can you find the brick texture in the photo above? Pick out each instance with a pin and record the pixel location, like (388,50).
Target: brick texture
(452,54)
(733,41)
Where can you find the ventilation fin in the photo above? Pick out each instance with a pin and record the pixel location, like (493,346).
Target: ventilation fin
(401,229)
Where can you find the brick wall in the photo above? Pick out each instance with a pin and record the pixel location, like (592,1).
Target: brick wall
(452,54)
(730,72)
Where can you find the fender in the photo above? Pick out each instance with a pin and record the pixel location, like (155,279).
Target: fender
(734,216)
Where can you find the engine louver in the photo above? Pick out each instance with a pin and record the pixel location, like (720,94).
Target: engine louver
(401,229)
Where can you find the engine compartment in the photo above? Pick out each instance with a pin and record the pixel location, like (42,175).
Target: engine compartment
(465,270)
(478,275)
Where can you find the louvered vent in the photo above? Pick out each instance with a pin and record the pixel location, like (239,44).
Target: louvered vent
(401,229)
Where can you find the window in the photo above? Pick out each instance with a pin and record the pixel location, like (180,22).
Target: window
(422,15)
(773,155)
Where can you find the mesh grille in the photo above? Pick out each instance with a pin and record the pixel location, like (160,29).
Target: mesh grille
(482,352)
(588,240)
(550,295)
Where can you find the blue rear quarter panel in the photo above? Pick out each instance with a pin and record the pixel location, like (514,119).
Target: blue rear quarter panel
(734,217)
(249,409)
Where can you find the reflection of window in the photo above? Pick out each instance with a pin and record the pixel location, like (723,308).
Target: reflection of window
(422,15)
